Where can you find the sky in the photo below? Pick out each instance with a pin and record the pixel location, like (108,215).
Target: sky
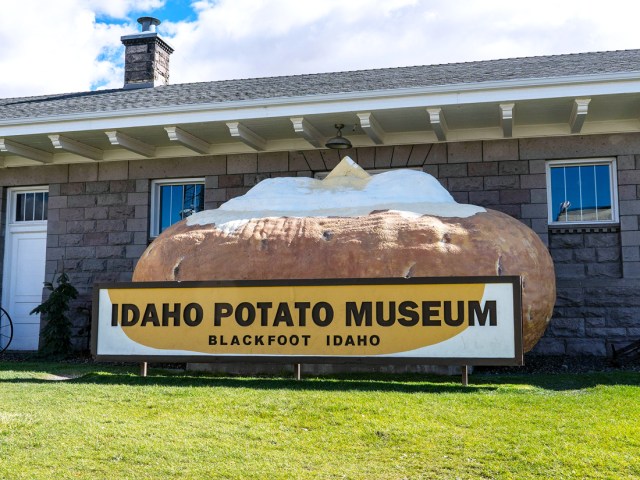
(74,45)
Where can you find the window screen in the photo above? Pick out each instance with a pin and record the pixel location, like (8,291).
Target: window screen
(581,193)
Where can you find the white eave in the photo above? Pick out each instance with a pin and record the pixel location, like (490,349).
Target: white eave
(454,94)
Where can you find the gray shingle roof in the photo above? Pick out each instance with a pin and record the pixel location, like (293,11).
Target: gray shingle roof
(323,83)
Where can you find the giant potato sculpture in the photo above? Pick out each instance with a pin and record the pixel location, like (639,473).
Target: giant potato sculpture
(401,223)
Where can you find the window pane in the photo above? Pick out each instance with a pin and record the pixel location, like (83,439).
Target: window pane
(200,198)
(558,212)
(165,207)
(581,193)
(178,201)
(20,207)
(177,192)
(31,206)
(38,213)
(603,188)
(188,200)
(574,207)
(45,206)
(193,199)
(28,206)
(588,193)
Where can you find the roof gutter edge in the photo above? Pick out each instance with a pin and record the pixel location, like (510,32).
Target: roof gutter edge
(492,86)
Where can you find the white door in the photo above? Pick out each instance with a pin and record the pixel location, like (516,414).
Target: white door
(24,263)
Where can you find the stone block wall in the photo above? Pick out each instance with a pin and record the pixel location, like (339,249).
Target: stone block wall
(581,254)
(95,233)
(99,217)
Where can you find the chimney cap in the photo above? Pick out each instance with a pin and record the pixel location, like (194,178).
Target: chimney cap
(149,24)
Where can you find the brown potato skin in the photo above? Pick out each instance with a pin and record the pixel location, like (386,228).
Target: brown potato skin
(379,245)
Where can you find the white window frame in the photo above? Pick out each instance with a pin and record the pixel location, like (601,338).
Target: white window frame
(155,199)
(12,201)
(585,162)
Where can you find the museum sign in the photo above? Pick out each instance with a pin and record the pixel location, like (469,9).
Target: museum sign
(462,320)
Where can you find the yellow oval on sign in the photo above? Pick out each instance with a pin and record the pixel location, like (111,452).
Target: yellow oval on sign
(299,320)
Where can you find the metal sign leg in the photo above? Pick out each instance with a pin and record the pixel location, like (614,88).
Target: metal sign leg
(465,375)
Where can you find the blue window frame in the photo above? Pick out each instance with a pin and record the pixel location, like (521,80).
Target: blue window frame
(175,200)
(582,192)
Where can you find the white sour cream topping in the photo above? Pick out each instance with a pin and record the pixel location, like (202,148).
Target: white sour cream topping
(348,191)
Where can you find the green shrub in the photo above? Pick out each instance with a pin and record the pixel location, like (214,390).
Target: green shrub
(56,335)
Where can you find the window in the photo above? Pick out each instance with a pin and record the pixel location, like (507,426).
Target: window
(174,200)
(582,191)
(31,206)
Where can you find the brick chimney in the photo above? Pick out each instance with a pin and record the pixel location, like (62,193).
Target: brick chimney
(146,57)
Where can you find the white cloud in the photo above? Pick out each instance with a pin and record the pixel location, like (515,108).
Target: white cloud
(59,46)
(121,8)
(244,38)
(54,47)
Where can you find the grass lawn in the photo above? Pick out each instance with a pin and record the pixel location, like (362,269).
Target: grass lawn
(110,423)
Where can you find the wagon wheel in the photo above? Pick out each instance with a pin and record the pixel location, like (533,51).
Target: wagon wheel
(6,330)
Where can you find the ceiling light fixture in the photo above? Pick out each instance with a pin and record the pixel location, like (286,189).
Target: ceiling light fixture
(338,141)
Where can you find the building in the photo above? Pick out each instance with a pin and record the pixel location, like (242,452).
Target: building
(88,179)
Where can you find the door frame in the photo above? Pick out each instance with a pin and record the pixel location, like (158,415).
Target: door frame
(12,228)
